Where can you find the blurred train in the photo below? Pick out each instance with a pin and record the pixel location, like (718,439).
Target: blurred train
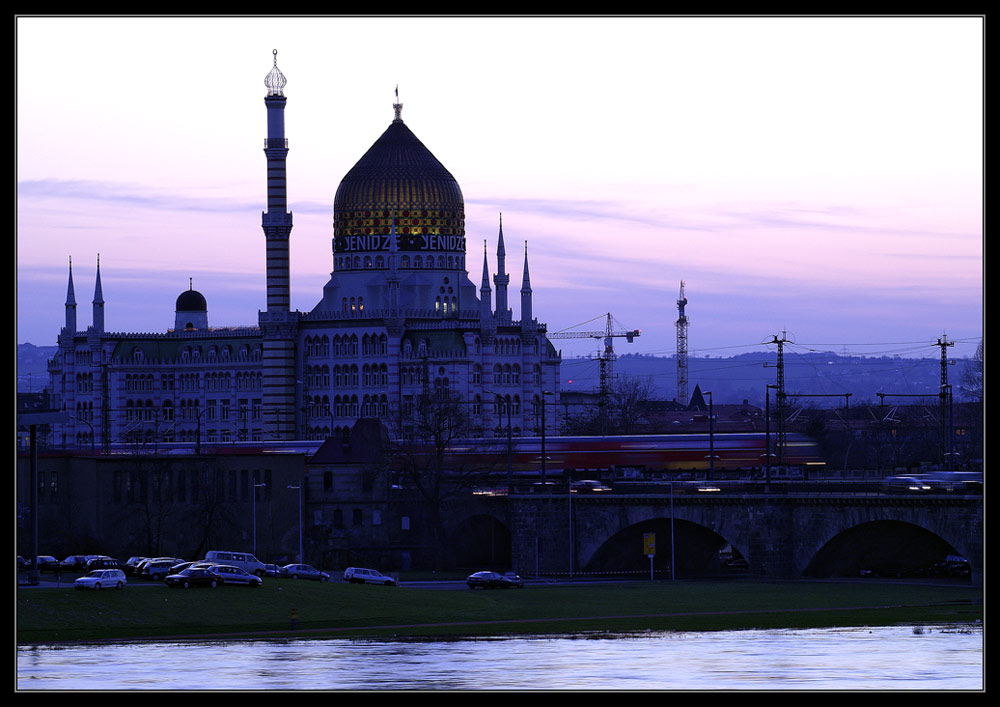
(733,452)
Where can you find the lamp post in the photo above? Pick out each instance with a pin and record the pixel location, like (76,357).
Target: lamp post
(544,393)
(254,504)
(510,463)
(673,568)
(299,489)
(711,437)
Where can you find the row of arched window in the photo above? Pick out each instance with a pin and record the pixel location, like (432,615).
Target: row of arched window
(346,345)
(213,354)
(85,383)
(85,411)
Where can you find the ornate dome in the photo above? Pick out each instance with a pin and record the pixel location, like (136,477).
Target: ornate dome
(191,301)
(399,177)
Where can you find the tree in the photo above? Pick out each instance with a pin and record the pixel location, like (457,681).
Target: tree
(627,406)
(425,453)
(972,375)
(630,396)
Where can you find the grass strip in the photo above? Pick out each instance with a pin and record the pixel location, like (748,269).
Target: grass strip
(60,615)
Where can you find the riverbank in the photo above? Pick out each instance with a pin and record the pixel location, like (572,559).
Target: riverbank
(297,608)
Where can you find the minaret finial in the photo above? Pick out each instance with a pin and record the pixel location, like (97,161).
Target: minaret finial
(275,80)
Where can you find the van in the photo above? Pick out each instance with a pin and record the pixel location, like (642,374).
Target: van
(243,560)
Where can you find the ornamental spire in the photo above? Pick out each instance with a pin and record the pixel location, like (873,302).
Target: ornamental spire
(98,303)
(70,327)
(397,107)
(275,80)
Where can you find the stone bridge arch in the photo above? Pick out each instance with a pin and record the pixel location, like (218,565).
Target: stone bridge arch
(609,538)
(478,536)
(893,539)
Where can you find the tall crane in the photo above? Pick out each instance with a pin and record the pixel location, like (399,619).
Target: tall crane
(682,349)
(606,357)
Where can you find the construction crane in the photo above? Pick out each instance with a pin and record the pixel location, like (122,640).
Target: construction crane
(682,349)
(605,358)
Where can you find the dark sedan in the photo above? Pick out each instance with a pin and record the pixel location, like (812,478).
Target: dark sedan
(192,578)
(303,572)
(493,580)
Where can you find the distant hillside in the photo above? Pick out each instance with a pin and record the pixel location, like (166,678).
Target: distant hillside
(731,380)
(32,367)
(745,377)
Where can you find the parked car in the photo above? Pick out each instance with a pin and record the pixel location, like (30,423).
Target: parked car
(132,563)
(47,563)
(243,560)
(272,571)
(493,580)
(98,579)
(360,575)
(159,569)
(75,563)
(192,578)
(235,575)
(105,563)
(304,572)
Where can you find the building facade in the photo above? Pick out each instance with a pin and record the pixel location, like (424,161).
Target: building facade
(398,319)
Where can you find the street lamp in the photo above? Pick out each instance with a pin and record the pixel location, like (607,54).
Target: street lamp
(299,489)
(544,393)
(510,444)
(254,504)
(711,436)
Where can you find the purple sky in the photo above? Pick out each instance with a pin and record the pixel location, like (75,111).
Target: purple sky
(821,176)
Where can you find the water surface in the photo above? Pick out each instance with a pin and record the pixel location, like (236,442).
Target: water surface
(887,658)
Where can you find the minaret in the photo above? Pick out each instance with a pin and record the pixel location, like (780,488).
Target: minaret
(70,327)
(98,301)
(526,317)
(485,293)
(502,279)
(276,221)
(278,324)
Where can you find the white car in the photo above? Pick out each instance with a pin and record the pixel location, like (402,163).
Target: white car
(235,575)
(359,575)
(98,579)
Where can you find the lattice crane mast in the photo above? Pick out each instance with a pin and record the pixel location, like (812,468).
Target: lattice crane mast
(682,349)
(605,358)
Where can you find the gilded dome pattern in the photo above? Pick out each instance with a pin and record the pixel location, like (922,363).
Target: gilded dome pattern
(399,177)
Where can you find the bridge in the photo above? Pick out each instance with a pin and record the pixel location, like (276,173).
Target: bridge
(753,532)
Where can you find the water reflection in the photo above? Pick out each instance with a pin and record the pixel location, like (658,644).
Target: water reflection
(930,658)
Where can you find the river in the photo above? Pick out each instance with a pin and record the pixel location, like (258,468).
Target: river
(883,658)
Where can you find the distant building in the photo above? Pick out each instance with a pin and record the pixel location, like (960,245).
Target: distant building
(398,318)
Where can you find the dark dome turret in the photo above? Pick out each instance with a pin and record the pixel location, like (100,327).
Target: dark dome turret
(191,301)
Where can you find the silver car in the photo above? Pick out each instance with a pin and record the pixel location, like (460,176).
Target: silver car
(303,572)
(236,575)
(99,579)
(360,575)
